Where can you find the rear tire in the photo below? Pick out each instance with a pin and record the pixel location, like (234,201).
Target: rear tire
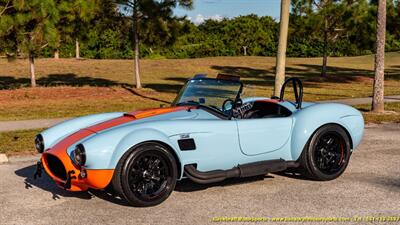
(326,154)
(146,175)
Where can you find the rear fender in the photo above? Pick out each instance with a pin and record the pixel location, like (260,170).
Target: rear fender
(308,120)
(355,127)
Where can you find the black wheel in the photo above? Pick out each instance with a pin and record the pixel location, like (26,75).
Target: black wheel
(327,153)
(146,175)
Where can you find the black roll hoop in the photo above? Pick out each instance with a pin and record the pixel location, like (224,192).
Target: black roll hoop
(297,88)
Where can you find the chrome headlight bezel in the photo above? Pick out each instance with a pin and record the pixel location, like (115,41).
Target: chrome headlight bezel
(79,154)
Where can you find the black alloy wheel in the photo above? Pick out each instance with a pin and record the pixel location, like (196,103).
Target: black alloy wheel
(146,175)
(327,153)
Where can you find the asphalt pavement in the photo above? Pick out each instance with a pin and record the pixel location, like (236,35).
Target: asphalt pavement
(370,187)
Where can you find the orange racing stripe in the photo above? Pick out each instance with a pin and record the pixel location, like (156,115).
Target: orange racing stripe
(97,179)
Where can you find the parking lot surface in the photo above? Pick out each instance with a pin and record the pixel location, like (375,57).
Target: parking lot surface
(369,187)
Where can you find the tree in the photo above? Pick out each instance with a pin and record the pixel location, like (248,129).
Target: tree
(330,20)
(378,95)
(146,13)
(325,19)
(33,25)
(7,25)
(107,37)
(359,23)
(256,34)
(281,56)
(393,26)
(74,23)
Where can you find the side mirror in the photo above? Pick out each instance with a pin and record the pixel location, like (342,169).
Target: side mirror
(202,100)
(228,105)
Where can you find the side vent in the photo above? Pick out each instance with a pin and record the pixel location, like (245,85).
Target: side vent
(187,144)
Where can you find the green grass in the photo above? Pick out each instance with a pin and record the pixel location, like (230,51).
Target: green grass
(392,113)
(71,102)
(72,107)
(18,142)
(72,87)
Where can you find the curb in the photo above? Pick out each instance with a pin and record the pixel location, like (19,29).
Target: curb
(19,158)
(3,158)
(24,158)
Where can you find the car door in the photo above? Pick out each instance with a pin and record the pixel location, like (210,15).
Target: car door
(215,143)
(257,136)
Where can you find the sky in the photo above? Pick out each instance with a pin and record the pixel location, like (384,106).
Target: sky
(218,9)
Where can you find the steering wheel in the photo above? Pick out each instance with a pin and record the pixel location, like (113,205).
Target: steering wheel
(238,109)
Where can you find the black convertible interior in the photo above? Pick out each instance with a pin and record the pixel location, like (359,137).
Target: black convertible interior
(263,109)
(206,93)
(271,109)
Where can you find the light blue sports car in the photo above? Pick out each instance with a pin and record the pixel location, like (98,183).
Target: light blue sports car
(209,134)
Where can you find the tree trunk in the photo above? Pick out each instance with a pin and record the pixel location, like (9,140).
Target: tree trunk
(281,56)
(378,96)
(56,54)
(137,62)
(32,68)
(77,49)
(136,44)
(325,54)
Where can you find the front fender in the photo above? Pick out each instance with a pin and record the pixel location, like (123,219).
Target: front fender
(58,132)
(104,150)
(308,120)
(135,138)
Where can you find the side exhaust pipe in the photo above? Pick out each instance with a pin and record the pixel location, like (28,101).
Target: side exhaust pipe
(245,170)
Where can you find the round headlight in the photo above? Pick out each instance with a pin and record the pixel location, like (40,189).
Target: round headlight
(39,143)
(80,155)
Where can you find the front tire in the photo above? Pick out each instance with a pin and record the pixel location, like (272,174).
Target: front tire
(146,175)
(327,153)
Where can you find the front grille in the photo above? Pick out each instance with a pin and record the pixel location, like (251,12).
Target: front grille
(56,167)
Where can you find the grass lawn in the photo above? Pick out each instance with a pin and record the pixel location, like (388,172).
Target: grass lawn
(392,113)
(70,87)
(18,142)
(21,142)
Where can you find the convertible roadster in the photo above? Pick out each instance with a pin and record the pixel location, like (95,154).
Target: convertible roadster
(208,134)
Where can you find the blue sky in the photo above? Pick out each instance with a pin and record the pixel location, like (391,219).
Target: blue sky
(217,9)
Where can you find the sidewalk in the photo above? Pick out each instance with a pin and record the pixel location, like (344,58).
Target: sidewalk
(360,101)
(28,124)
(44,123)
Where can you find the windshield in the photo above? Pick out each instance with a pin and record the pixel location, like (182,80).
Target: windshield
(208,92)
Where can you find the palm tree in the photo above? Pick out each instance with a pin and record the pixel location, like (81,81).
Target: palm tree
(281,56)
(378,96)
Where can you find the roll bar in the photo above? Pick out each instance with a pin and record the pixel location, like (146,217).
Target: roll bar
(297,88)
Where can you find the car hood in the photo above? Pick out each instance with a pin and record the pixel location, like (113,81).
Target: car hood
(140,116)
(102,122)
